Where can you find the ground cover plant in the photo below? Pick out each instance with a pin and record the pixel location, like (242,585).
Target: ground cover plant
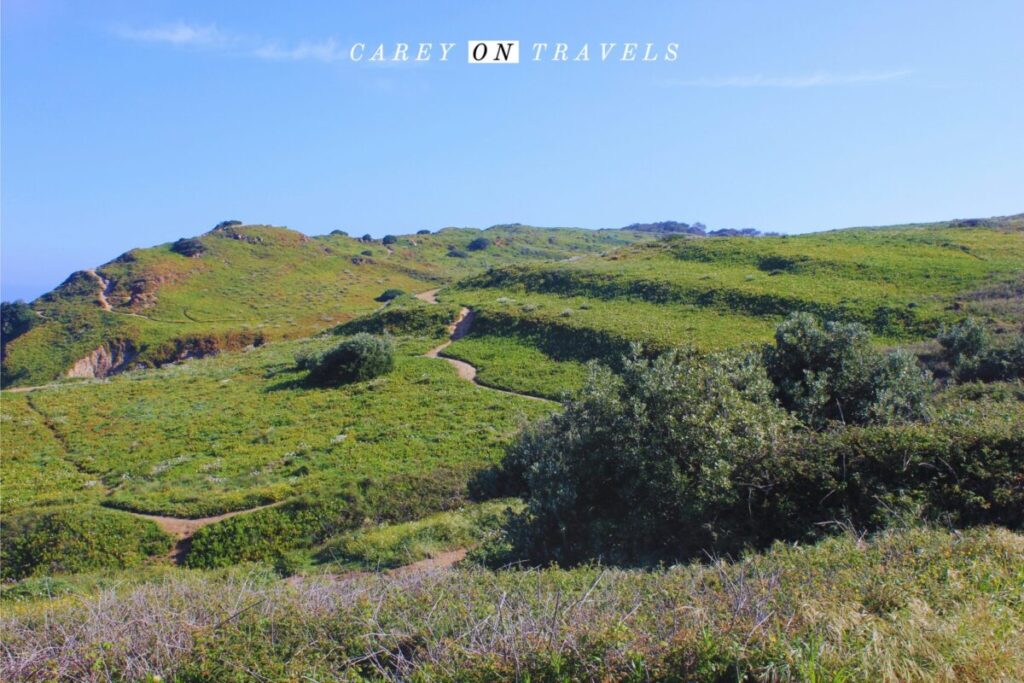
(911,605)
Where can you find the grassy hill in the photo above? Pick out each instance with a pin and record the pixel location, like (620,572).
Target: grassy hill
(332,483)
(903,282)
(240,285)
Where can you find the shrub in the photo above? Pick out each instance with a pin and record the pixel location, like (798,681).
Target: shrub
(972,356)
(389,294)
(422,232)
(188,247)
(831,372)
(479,244)
(367,237)
(76,538)
(457,253)
(639,466)
(389,239)
(356,359)
(342,233)
(16,318)
(964,341)
(227,224)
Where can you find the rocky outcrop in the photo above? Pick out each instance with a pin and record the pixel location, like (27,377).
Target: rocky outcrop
(106,359)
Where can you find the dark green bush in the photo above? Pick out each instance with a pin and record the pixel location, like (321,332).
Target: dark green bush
(971,355)
(422,232)
(188,247)
(831,372)
(342,233)
(16,318)
(640,466)
(389,294)
(457,253)
(479,244)
(389,239)
(356,359)
(76,538)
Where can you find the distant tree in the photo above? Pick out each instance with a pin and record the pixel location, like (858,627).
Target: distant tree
(16,318)
(339,232)
(358,358)
(422,232)
(479,244)
(367,237)
(188,246)
(389,239)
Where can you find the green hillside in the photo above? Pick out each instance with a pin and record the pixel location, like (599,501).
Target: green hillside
(240,285)
(857,465)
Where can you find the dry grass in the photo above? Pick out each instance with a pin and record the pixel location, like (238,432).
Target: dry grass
(907,606)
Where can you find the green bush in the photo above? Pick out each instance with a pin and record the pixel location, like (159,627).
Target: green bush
(389,294)
(389,239)
(831,372)
(639,466)
(76,538)
(972,356)
(479,244)
(404,315)
(682,455)
(188,247)
(356,359)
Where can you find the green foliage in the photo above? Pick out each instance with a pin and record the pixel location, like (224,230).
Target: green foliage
(252,280)
(972,356)
(16,318)
(831,372)
(681,455)
(393,545)
(389,239)
(640,466)
(188,247)
(915,605)
(404,315)
(356,359)
(76,538)
(479,244)
(392,293)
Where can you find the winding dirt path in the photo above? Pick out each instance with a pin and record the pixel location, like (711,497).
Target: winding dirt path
(457,330)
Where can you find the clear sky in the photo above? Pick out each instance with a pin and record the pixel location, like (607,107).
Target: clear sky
(130,124)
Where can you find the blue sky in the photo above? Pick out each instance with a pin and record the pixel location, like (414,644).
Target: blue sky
(129,124)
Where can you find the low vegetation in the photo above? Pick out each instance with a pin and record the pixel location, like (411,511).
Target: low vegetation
(76,538)
(915,605)
(357,359)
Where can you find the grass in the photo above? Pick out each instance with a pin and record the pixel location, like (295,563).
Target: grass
(912,605)
(393,545)
(514,364)
(239,430)
(258,283)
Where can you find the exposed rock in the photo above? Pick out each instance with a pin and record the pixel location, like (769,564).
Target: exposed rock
(107,359)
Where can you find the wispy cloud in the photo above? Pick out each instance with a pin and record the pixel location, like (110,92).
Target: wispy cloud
(819,79)
(182,34)
(323,51)
(178,33)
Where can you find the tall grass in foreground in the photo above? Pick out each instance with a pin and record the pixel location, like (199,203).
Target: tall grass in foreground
(904,606)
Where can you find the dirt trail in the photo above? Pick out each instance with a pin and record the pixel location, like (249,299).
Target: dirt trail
(104,288)
(183,528)
(457,330)
(430,296)
(440,561)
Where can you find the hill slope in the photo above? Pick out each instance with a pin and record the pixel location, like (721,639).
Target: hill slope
(246,284)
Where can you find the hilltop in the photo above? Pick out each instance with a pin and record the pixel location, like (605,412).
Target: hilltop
(239,285)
